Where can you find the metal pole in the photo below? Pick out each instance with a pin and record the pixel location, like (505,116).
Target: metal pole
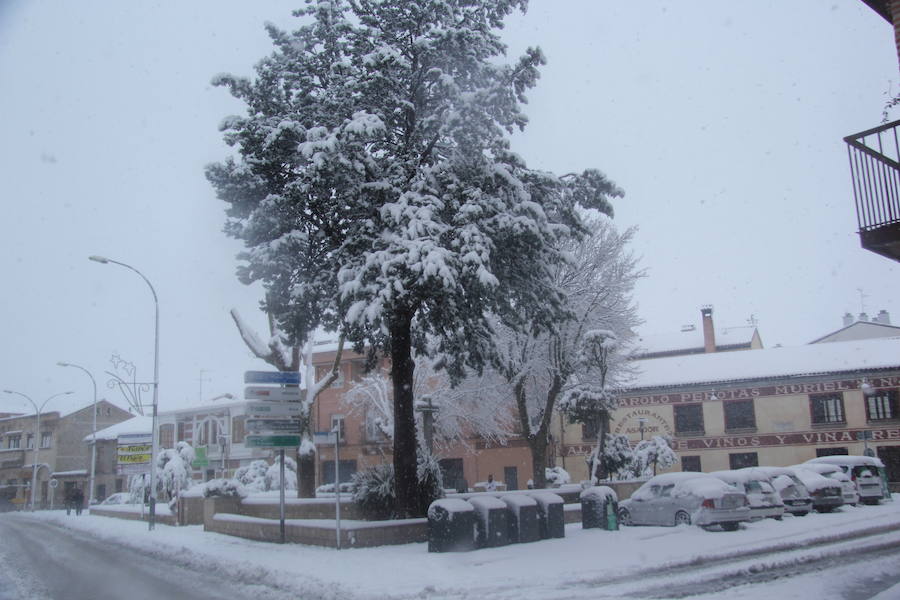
(337,484)
(93,431)
(281,501)
(151,520)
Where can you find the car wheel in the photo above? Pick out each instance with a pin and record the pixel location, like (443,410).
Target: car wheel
(731,526)
(625,517)
(825,509)
(682,518)
(801,514)
(778,518)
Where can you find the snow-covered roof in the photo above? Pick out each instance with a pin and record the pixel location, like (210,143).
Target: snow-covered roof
(716,367)
(692,340)
(132,425)
(849,460)
(859,330)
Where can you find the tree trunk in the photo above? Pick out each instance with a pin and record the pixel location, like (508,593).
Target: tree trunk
(402,367)
(306,474)
(601,446)
(538,446)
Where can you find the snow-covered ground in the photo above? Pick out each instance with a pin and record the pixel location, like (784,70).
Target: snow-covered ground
(635,561)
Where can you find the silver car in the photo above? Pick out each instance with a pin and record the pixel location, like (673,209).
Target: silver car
(685,499)
(864,471)
(797,499)
(848,488)
(763,499)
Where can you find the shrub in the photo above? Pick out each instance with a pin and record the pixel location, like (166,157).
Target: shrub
(374,488)
(223,488)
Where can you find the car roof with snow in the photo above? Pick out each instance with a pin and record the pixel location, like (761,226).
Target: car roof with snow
(691,482)
(850,460)
(741,475)
(822,468)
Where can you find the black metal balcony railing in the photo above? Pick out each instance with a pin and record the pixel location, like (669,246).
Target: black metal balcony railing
(875,167)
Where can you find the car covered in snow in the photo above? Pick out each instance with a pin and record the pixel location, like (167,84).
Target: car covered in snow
(117,498)
(794,494)
(761,495)
(864,472)
(827,494)
(848,488)
(685,499)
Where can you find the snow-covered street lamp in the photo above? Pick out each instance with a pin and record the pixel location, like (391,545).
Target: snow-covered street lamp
(36,437)
(93,430)
(151,520)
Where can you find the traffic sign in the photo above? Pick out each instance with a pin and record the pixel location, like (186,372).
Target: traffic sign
(271,441)
(324,437)
(276,377)
(273,426)
(200,458)
(54,483)
(275,409)
(292,394)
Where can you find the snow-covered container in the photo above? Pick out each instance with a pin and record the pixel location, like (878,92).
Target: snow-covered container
(599,507)
(491,521)
(451,526)
(551,514)
(524,525)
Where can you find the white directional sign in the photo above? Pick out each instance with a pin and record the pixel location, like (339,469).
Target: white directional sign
(273,377)
(324,437)
(280,394)
(274,409)
(272,441)
(273,426)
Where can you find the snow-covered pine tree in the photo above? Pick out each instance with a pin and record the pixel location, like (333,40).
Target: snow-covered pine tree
(577,366)
(376,194)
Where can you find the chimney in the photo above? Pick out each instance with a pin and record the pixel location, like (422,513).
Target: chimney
(709,334)
(848,319)
(883,317)
(863,317)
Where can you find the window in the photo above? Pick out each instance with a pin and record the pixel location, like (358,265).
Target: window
(882,405)
(346,467)
(46,438)
(690,463)
(373,427)
(14,441)
(831,452)
(166,436)
(29,441)
(827,408)
(238,427)
(337,421)
(120,484)
(590,429)
(739,414)
(688,419)
(739,460)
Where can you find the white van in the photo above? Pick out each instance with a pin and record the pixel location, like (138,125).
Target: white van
(864,471)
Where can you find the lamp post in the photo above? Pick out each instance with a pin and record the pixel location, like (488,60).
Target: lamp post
(641,422)
(36,438)
(151,519)
(93,430)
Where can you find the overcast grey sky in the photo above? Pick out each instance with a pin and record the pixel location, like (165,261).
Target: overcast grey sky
(721,120)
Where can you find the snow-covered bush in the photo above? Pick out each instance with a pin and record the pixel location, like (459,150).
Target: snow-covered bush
(273,474)
(174,469)
(650,456)
(556,476)
(616,458)
(374,487)
(139,488)
(345,488)
(224,488)
(260,476)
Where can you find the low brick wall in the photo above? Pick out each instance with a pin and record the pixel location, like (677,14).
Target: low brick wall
(316,532)
(131,516)
(296,508)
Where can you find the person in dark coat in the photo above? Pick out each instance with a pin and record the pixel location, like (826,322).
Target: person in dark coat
(77,500)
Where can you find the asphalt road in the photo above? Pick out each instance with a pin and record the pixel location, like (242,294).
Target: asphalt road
(41,561)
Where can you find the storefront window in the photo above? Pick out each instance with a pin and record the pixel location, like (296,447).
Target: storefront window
(739,414)
(740,460)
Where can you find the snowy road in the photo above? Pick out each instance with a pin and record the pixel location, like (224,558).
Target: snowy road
(850,554)
(42,561)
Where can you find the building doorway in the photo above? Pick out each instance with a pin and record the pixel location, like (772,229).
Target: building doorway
(511,478)
(890,456)
(453,475)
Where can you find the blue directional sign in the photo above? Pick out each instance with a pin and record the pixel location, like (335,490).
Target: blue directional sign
(276,377)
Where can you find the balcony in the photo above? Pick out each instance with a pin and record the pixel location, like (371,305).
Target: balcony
(875,168)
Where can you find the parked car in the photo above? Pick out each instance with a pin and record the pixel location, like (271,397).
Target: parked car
(6,505)
(794,494)
(848,488)
(864,472)
(685,499)
(764,501)
(827,494)
(117,498)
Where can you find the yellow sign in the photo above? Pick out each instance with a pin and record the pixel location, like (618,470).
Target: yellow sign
(135,449)
(134,458)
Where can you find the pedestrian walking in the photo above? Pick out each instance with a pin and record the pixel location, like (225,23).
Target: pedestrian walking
(77,500)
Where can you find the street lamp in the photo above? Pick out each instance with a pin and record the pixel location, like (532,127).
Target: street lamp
(93,430)
(641,422)
(151,520)
(36,438)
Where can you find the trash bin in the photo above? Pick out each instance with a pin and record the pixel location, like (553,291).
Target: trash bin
(491,521)
(599,508)
(524,525)
(451,526)
(551,517)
